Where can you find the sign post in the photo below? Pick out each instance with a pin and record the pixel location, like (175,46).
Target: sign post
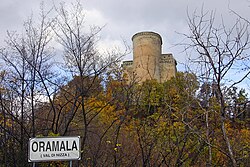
(54,149)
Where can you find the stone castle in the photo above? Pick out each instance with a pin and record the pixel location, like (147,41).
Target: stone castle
(148,61)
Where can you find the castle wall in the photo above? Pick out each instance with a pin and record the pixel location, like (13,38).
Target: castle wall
(128,71)
(167,67)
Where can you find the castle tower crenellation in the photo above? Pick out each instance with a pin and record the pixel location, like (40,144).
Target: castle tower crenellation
(148,61)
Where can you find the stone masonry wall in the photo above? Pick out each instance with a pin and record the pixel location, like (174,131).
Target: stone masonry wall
(148,61)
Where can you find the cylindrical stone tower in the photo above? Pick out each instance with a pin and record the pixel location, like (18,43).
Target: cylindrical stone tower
(146,52)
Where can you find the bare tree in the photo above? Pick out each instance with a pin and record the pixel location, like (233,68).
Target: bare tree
(82,60)
(220,52)
(27,58)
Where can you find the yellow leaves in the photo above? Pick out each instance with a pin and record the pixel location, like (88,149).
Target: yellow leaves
(53,134)
(108,114)
(105,111)
(117,147)
(3,90)
(245,154)
(172,92)
(239,138)
(243,137)
(219,156)
(93,103)
(179,125)
(8,122)
(245,133)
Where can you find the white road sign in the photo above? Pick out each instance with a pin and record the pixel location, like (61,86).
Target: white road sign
(54,148)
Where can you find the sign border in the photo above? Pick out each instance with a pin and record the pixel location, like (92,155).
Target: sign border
(79,158)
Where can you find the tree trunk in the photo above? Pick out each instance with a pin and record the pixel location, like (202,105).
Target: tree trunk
(229,147)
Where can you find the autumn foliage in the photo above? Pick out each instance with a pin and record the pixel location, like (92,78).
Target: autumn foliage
(185,121)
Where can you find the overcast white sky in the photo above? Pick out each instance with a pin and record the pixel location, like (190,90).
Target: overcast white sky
(123,18)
